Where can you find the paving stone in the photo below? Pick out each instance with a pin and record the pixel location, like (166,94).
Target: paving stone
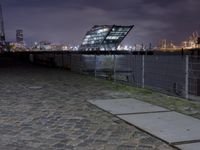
(35,87)
(126,106)
(59,145)
(126,147)
(170,126)
(60,136)
(57,116)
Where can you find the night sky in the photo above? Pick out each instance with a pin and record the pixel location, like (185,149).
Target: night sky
(68,20)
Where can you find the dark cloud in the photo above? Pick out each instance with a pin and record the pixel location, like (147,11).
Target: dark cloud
(68,20)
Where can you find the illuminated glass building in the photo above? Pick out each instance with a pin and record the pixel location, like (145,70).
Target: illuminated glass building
(104,37)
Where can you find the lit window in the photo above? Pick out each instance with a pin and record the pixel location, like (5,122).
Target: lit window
(112,38)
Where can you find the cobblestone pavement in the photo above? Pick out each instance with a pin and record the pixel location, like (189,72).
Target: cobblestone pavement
(46,109)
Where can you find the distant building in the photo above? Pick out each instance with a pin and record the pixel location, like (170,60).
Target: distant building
(104,37)
(48,46)
(191,42)
(19,36)
(2,33)
(44,45)
(16,47)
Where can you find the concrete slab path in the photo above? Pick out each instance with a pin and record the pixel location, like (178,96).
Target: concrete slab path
(172,127)
(193,146)
(126,106)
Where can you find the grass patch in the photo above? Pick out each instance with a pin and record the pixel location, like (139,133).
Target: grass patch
(170,102)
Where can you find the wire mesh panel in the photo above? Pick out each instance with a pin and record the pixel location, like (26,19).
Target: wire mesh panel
(174,74)
(76,63)
(123,68)
(137,70)
(194,75)
(67,61)
(31,58)
(165,73)
(58,60)
(88,64)
(47,59)
(105,66)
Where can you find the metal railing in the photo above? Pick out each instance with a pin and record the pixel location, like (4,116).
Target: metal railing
(176,74)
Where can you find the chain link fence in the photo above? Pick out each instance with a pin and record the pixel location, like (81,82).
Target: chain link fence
(172,74)
(194,77)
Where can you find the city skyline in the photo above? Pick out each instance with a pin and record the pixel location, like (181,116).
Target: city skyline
(68,21)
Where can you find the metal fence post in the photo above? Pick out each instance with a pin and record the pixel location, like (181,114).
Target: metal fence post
(62,66)
(80,63)
(95,66)
(70,61)
(186,76)
(143,71)
(132,68)
(114,68)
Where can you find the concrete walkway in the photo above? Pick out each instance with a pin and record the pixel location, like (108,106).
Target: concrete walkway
(176,129)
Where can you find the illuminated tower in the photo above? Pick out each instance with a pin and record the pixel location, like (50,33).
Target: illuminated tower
(2,33)
(19,36)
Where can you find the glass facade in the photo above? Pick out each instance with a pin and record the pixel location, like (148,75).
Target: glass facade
(96,35)
(104,37)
